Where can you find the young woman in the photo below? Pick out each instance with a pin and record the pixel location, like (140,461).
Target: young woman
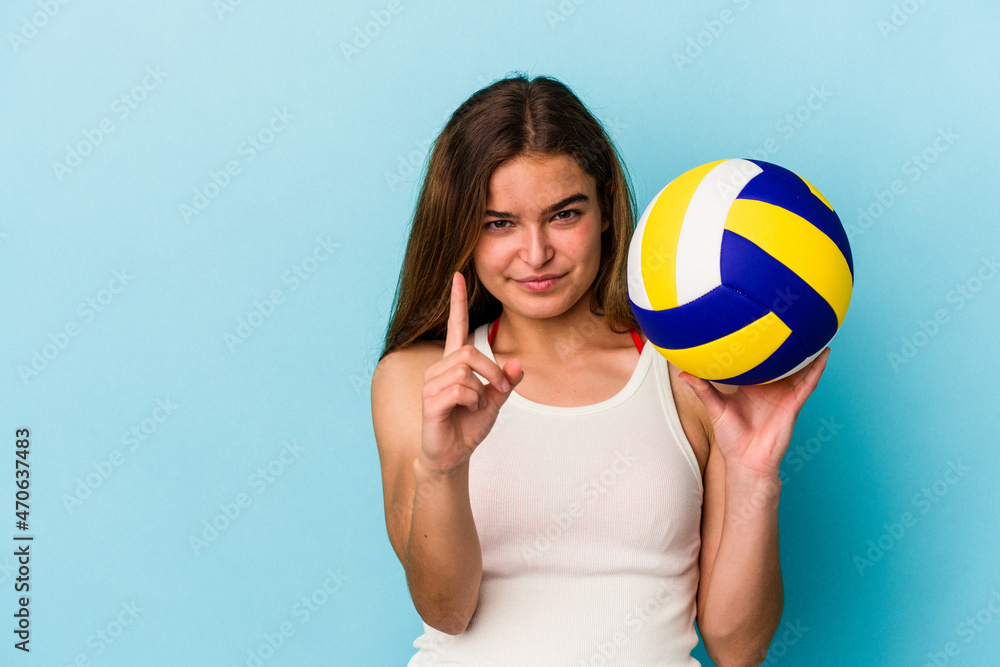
(557,492)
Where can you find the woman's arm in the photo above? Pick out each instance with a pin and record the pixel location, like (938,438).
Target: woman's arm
(741,594)
(425,451)
(428,514)
(444,561)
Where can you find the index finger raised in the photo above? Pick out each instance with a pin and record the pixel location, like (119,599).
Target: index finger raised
(458,316)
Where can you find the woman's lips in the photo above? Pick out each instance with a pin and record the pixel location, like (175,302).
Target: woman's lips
(538,285)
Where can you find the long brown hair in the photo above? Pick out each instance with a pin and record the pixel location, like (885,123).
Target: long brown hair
(510,118)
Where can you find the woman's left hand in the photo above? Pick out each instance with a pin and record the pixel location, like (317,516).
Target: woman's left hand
(753,425)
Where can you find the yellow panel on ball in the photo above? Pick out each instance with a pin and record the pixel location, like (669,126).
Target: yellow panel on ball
(737,353)
(659,243)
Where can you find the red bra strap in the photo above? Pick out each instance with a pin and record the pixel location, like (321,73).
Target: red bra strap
(637,339)
(635,335)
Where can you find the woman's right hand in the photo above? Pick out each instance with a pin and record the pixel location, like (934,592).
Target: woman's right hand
(458,409)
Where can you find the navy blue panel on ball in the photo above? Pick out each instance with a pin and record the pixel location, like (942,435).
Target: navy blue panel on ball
(713,315)
(784,359)
(778,169)
(778,186)
(751,271)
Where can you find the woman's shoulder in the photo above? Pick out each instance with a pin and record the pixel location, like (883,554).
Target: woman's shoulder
(396,396)
(404,362)
(412,360)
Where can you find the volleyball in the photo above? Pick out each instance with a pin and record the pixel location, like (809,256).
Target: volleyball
(740,272)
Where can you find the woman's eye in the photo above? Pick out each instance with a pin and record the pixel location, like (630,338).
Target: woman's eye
(567,215)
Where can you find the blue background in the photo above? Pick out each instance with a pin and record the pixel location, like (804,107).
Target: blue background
(851,95)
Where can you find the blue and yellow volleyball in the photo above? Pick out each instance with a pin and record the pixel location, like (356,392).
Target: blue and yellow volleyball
(740,272)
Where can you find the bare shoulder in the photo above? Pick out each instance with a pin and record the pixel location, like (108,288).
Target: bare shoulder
(403,362)
(410,361)
(398,377)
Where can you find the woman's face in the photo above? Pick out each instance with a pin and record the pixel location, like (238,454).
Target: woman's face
(542,219)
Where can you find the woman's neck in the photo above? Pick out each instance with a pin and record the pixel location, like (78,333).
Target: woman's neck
(554,337)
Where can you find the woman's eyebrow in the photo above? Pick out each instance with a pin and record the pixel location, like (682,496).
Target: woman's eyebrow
(572,199)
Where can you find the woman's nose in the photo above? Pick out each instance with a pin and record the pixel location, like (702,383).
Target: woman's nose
(538,249)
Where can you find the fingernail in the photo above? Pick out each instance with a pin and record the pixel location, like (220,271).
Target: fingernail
(505,385)
(482,402)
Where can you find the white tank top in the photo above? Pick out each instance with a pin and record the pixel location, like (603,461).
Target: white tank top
(589,520)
